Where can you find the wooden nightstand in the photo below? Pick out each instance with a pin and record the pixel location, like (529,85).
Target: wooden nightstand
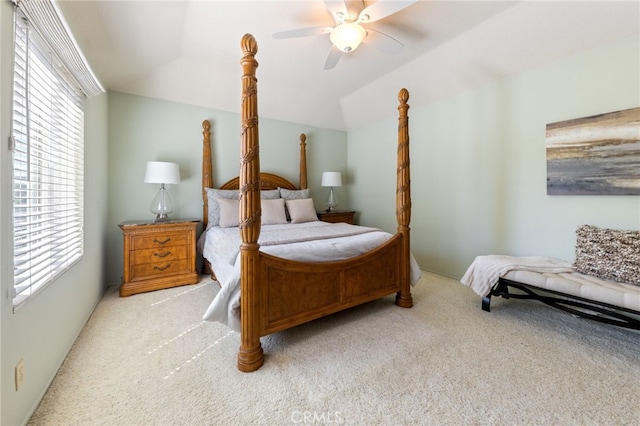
(337,216)
(158,255)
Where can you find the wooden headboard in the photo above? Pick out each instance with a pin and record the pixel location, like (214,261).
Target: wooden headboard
(267,180)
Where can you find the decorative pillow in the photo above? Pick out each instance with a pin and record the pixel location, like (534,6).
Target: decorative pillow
(610,254)
(273,212)
(212,203)
(270,194)
(294,194)
(301,210)
(231,194)
(229,212)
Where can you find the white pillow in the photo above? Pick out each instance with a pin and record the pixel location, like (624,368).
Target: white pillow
(273,211)
(212,203)
(270,194)
(301,210)
(232,194)
(294,194)
(229,212)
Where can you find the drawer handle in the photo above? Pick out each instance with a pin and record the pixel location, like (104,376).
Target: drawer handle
(162,268)
(165,254)
(162,242)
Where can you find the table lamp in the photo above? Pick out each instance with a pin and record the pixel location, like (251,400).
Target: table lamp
(331,179)
(163,173)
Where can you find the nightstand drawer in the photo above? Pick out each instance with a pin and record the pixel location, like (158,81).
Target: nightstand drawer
(148,270)
(163,254)
(160,240)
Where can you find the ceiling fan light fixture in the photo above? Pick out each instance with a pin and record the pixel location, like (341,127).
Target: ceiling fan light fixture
(348,36)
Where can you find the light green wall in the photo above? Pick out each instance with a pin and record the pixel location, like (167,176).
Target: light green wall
(478,163)
(42,331)
(143,129)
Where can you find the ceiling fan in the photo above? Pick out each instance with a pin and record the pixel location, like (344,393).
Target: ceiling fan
(349,31)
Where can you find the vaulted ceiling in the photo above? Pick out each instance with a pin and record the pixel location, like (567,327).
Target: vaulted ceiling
(189,51)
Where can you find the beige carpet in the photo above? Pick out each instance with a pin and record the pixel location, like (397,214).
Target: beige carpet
(150,360)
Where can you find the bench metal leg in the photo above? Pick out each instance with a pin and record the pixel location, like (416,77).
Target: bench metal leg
(486,303)
(581,307)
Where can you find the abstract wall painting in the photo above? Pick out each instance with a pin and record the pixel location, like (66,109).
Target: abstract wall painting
(597,155)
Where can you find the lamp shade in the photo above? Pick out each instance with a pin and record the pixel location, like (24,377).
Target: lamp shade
(347,36)
(332,179)
(162,172)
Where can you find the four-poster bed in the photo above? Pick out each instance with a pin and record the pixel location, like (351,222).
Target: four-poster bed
(276,292)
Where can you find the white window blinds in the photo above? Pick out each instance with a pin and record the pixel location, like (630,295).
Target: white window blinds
(48,166)
(46,18)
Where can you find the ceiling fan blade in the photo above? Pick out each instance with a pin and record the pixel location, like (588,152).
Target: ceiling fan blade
(337,8)
(302,32)
(354,7)
(332,58)
(382,9)
(382,41)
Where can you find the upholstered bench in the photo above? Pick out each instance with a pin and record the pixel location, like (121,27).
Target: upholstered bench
(603,283)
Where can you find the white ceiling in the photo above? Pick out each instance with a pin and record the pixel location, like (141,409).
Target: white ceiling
(189,51)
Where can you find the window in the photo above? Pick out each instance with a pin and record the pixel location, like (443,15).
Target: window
(48,165)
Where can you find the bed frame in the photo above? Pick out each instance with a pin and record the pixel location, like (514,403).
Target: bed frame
(278,293)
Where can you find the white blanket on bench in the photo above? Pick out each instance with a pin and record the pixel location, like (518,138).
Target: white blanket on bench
(485,271)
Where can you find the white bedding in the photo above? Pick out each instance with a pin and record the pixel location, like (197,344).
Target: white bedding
(308,242)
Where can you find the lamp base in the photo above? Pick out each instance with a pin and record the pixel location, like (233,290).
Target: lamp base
(162,205)
(332,203)
(162,218)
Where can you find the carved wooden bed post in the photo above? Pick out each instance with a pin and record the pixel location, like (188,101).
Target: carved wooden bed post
(303,161)
(207,176)
(403,198)
(250,355)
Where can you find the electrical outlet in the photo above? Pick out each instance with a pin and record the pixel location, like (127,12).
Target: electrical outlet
(19,374)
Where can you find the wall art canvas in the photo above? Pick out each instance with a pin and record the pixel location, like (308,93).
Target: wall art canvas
(597,155)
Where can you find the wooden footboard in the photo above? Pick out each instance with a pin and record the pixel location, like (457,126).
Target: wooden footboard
(292,293)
